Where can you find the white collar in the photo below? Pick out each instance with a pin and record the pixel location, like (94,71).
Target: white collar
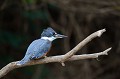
(48,38)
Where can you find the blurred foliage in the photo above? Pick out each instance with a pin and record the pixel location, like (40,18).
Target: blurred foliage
(11,39)
(29,1)
(37,14)
(22,21)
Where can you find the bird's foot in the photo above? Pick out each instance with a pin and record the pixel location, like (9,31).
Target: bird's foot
(45,56)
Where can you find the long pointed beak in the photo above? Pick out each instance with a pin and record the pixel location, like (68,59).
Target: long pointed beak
(60,36)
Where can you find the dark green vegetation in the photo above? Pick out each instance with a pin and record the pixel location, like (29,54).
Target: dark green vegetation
(22,21)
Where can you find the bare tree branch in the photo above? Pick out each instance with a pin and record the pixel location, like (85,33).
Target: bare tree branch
(83,43)
(67,57)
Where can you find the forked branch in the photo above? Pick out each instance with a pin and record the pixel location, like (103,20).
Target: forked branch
(70,56)
(83,43)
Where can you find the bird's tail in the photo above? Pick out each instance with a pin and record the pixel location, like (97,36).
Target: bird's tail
(23,61)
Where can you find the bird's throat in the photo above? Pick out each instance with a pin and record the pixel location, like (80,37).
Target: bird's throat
(48,38)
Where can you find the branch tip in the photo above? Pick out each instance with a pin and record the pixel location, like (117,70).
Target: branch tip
(100,32)
(63,64)
(106,51)
(97,59)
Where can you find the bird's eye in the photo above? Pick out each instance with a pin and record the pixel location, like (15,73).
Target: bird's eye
(54,33)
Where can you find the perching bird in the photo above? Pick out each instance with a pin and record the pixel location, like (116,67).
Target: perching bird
(40,47)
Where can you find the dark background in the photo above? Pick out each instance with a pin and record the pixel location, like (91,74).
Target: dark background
(22,21)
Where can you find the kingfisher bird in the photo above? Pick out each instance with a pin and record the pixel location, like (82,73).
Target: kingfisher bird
(40,47)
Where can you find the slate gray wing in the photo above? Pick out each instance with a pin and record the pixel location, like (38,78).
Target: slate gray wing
(38,48)
(28,53)
(31,47)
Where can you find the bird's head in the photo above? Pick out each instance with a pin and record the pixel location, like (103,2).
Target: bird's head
(50,34)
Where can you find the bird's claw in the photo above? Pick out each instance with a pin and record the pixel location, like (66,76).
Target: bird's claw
(45,56)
